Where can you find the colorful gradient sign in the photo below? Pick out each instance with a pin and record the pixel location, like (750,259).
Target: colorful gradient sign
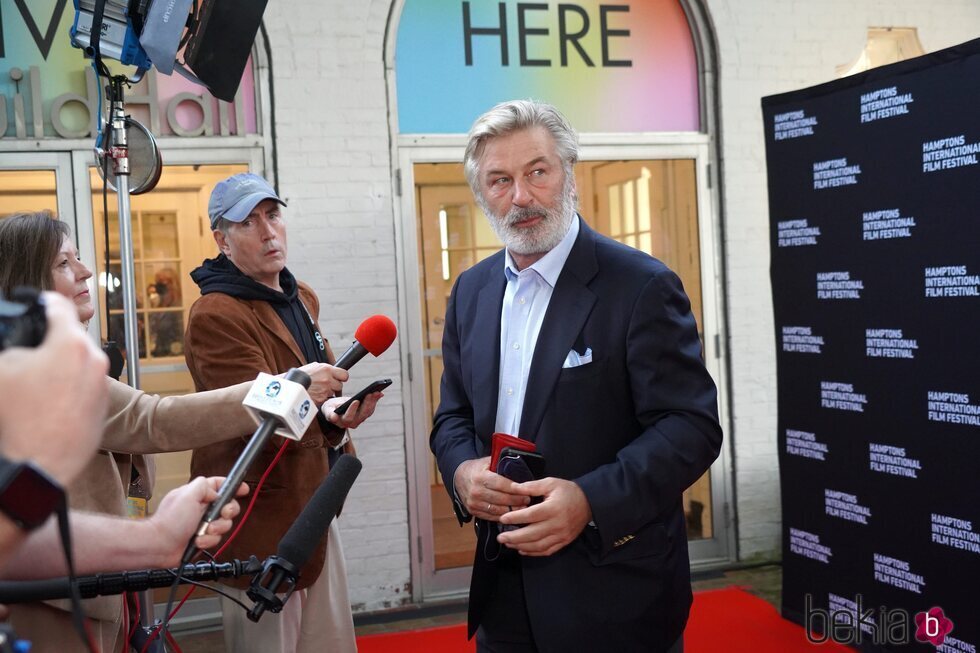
(620,66)
(39,67)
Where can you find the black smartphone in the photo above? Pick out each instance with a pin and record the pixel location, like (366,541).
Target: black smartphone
(519,465)
(374,386)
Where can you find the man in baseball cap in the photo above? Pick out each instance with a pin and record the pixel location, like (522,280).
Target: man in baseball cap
(235,197)
(255,316)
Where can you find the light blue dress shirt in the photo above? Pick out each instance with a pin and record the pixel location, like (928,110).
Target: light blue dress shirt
(526,300)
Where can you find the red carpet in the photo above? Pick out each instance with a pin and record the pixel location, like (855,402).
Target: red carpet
(729,620)
(734,621)
(445,639)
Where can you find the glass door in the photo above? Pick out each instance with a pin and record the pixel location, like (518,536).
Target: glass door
(171,237)
(36,181)
(652,206)
(454,234)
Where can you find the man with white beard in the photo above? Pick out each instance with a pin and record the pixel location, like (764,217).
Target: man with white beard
(587,348)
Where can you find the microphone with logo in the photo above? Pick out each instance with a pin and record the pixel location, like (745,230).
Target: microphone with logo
(278,405)
(281,571)
(374,335)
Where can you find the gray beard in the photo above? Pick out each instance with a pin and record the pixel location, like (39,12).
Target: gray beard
(545,236)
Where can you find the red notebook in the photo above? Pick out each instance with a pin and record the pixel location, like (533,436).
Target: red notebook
(500,440)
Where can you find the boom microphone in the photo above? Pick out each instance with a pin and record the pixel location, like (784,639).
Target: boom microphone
(374,336)
(304,535)
(281,571)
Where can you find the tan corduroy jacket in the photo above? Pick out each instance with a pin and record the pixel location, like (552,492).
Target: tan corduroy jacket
(230,340)
(138,423)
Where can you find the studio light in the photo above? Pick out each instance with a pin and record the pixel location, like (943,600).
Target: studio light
(218,35)
(120,39)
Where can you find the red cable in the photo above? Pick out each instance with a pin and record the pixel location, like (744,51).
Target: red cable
(173,642)
(125,622)
(136,621)
(91,640)
(255,495)
(248,511)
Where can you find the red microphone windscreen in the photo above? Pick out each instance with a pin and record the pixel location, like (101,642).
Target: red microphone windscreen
(376,334)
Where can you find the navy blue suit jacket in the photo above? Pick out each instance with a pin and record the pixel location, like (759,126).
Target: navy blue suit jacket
(633,428)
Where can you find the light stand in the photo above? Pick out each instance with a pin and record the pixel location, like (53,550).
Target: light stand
(118,152)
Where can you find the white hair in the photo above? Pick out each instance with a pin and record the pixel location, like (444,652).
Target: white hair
(508,117)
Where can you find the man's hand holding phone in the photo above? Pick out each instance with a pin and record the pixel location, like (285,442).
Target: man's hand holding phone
(351,412)
(521,467)
(550,525)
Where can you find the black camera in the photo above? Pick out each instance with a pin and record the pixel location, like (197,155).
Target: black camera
(22,319)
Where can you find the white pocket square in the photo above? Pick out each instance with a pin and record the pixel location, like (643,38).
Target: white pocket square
(575,359)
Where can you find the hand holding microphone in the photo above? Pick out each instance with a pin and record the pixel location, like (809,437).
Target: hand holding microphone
(164,533)
(326,381)
(373,336)
(181,509)
(279,405)
(288,413)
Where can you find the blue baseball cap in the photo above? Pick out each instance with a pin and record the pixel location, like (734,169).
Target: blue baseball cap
(235,197)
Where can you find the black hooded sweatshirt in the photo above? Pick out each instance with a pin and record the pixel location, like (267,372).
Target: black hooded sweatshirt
(221,275)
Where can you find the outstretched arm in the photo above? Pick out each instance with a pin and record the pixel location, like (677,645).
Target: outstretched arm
(104,543)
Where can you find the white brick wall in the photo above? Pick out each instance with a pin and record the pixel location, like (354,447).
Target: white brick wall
(334,169)
(332,123)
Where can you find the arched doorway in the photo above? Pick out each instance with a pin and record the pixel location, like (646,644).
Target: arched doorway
(636,79)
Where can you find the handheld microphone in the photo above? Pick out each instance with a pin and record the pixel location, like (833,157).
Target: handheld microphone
(281,571)
(286,401)
(374,336)
(274,415)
